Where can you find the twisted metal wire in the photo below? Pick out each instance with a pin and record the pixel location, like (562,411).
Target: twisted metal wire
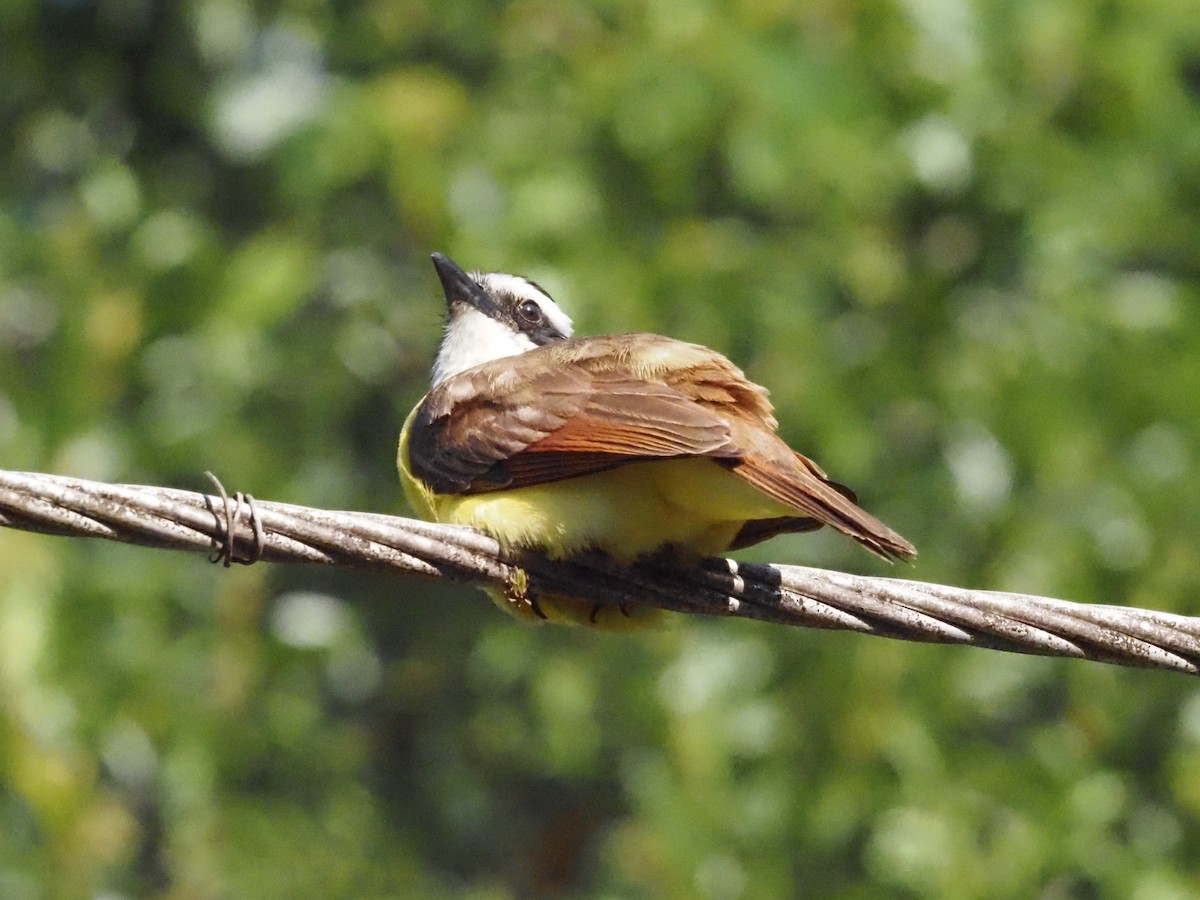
(241,529)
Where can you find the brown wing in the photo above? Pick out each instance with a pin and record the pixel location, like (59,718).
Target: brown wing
(586,405)
(569,409)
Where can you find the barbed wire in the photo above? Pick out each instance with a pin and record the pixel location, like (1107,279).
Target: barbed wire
(241,529)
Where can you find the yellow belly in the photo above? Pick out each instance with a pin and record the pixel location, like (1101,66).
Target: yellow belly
(628,512)
(637,509)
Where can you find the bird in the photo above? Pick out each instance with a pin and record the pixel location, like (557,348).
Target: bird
(627,444)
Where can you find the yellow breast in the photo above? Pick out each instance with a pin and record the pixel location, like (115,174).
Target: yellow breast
(631,511)
(627,512)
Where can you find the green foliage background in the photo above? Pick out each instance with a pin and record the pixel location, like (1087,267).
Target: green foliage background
(960,241)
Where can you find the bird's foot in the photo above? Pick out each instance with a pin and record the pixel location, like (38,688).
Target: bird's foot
(519,593)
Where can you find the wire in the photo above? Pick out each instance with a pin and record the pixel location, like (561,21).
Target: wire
(789,595)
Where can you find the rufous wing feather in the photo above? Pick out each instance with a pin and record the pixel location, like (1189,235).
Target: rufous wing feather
(582,406)
(566,411)
(794,480)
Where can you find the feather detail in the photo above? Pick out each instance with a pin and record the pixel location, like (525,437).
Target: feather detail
(582,406)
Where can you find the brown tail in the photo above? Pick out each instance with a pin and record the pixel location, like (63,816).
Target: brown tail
(758,530)
(798,482)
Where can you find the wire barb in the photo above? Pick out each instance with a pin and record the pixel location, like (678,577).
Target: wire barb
(225,542)
(789,595)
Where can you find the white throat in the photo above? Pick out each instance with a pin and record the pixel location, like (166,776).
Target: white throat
(473,339)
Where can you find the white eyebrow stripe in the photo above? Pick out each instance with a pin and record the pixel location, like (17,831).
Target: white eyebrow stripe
(500,282)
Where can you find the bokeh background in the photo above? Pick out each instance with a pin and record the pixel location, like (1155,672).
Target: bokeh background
(958,239)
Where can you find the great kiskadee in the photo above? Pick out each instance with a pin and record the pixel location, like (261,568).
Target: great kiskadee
(627,443)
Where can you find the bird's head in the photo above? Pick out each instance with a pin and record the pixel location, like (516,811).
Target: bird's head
(492,315)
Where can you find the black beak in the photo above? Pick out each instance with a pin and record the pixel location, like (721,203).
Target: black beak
(459,287)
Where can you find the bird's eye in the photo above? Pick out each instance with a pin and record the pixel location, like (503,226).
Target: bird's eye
(530,312)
